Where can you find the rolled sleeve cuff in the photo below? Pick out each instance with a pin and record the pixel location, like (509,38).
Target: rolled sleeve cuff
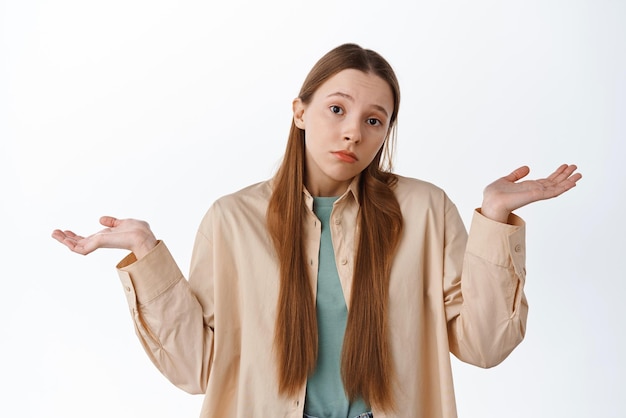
(147,278)
(499,243)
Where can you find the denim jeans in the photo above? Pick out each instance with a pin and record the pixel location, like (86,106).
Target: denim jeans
(363,415)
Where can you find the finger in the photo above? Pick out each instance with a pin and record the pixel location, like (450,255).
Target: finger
(67,241)
(86,245)
(58,235)
(70,234)
(569,172)
(571,180)
(518,174)
(74,242)
(575,178)
(64,235)
(558,171)
(109,221)
(563,172)
(562,182)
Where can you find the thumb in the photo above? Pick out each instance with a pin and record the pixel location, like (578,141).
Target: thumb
(109,221)
(518,174)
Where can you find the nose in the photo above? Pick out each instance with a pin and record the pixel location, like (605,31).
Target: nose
(352,131)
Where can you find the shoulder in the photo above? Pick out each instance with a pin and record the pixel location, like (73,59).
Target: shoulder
(425,205)
(257,194)
(249,203)
(408,188)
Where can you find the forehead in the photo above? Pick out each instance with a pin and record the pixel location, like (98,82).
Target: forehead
(364,87)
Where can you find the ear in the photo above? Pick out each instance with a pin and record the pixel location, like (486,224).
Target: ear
(298,112)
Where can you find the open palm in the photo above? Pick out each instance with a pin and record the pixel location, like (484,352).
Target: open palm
(128,234)
(507,194)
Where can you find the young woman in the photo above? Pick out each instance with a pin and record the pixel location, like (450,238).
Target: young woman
(335,289)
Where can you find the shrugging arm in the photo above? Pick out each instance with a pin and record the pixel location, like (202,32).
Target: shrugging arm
(486,307)
(168,317)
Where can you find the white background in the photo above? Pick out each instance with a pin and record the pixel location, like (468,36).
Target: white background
(153,109)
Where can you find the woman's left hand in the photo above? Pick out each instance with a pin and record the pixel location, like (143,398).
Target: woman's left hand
(506,194)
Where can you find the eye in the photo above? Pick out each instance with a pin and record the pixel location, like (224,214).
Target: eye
(374,122)
(336,109)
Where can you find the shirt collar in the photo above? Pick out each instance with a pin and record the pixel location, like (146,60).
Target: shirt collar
(351,192)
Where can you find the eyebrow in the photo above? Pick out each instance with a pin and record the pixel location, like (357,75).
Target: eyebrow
(347,96)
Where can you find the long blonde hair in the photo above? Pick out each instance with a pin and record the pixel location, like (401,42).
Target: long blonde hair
(366,367)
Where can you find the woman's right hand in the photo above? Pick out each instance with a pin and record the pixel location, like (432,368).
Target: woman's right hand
(128,234)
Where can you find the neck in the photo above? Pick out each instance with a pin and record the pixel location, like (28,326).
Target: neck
(327,189)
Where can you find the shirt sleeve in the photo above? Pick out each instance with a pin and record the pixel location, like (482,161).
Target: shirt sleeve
(168,318)
(486,307)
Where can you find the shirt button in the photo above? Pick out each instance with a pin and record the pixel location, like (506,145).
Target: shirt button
(337,221)
(344,261)
(518,248)
(127,288)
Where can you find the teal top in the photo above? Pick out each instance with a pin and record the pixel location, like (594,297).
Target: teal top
(325,394)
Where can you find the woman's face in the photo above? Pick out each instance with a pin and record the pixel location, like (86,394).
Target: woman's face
(345,124)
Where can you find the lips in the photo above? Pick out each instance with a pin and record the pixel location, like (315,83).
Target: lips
(346,156)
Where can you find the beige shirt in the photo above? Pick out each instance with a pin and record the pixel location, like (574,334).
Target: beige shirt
(214,333)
